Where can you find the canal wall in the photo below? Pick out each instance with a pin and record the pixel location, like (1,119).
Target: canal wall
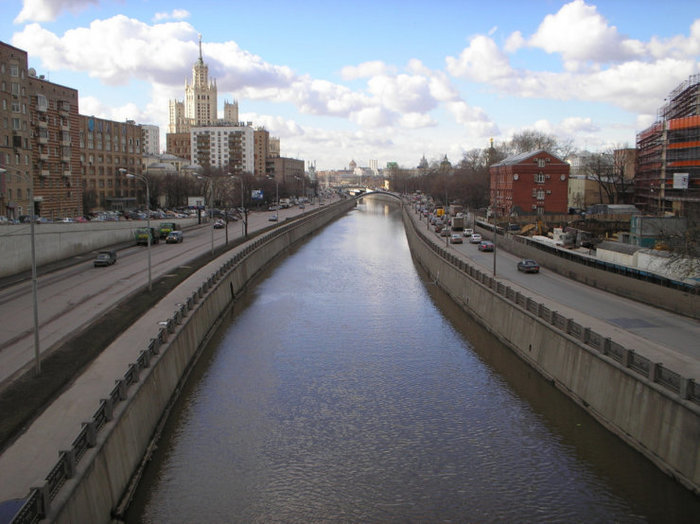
(60,241)
(653,409)
(92,480)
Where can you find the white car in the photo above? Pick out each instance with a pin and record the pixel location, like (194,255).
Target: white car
(475,238)
(468,232)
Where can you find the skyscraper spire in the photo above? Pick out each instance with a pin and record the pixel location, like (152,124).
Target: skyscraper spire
(200,49)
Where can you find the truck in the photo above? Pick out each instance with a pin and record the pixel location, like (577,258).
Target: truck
(166,228)
(456,209)
(458,222)
(141,236)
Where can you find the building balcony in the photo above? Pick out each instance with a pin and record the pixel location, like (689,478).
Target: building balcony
(65,127)
(63,113)
(42,124)
(44,173)
(43,140)
(65,158)
(43,156)
(66,174)
(65,142)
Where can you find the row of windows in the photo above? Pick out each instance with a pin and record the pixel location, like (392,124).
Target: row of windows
(688,153)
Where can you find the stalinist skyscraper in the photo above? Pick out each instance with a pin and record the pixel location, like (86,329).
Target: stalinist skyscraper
(199,106)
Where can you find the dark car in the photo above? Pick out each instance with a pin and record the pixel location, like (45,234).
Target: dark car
(219,224)
(174,237)
(528,266)
(106,258)
(486,245)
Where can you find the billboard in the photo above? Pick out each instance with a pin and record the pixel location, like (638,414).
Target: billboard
(256,194)
(680,180)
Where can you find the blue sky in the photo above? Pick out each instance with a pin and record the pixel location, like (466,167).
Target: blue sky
(384,80)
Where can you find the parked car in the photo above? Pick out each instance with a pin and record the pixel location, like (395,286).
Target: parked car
(475,238)
(106,258)
(486,245)
(174,237)
(456,238)
(528,266)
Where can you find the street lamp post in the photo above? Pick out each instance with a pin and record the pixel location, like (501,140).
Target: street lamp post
(211,208)
(244,214)
(143,179)
(35,286)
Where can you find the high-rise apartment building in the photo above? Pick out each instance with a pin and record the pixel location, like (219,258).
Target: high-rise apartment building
(262,148)
(55,156)
(150,140)
(15,133)
(105,148)
(223,146)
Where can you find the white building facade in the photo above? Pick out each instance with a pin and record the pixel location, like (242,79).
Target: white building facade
(224,146)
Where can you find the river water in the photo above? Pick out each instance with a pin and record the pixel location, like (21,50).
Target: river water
(346,387)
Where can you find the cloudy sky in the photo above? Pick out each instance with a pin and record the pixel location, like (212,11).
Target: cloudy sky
(374,79)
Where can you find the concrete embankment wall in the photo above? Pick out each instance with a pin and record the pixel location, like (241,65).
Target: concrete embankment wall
(660,423)
(60,241)
(98,471)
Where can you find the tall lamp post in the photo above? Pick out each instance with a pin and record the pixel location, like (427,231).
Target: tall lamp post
(35,302)
(143,179)
(211,207)
(244,213)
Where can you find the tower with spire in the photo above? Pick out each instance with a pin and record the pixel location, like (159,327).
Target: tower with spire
(200,105)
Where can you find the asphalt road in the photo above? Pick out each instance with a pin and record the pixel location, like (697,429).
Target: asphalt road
(678,334)
(72,297)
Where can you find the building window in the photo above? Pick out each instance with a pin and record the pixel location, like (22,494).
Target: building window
(541,162)
(14,70)
(539,178)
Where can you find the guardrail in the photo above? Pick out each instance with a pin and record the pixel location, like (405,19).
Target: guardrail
(654,372)
(37,504)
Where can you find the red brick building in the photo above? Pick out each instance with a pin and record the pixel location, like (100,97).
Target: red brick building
(531,183)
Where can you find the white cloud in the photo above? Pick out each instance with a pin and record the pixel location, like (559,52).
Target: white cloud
(514,42)
(175,14)
(49,10)
(481,61)
(364,70)
(600,64)
(115,50)
(579,33)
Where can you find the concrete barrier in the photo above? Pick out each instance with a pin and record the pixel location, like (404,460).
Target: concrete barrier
(60,241)
(89,481)
(654,410)
(675,300)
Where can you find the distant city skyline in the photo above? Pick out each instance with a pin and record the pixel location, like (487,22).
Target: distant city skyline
(390,81)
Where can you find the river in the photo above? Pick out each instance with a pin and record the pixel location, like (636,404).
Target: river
(346,387)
